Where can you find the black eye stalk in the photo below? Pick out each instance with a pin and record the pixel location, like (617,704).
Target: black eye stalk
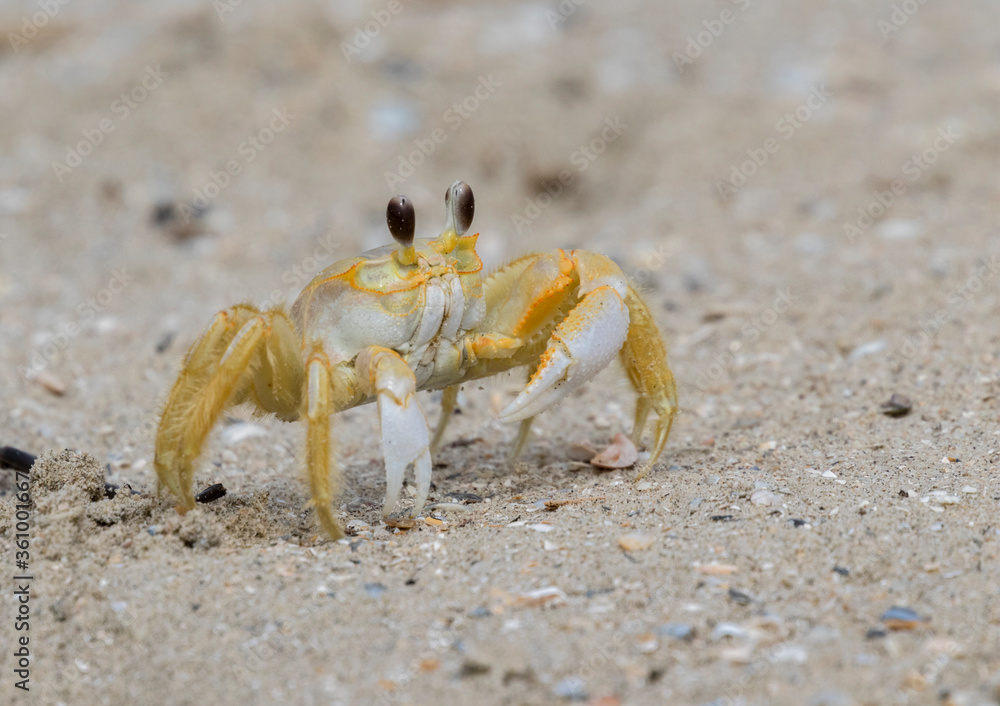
(402,221)
(460,205)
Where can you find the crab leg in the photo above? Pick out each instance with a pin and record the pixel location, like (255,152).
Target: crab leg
(449,398)
(405,439)
(319,444)
(202,391)
(645,359)
(581,346)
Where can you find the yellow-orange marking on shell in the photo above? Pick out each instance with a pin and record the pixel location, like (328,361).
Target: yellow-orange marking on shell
(544,305)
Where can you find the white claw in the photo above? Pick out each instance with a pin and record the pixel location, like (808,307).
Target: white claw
(545,387)
(583,344)
(405,440)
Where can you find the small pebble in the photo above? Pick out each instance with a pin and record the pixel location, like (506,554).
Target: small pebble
(788,654)
(50,382)
(867,349)
(739,597)
(636,541)
(902,618)
(647,644)
(466,498)
(764,497)
(738,654)
(897,406)
(941,497)
(550,595)
(571,688)
(970,490)
(678,631)
(900,228)
(733,630)
(375,590)
(716,569)
(539,527)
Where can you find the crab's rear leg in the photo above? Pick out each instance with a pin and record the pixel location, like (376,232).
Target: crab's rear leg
(217,373)
(645,359)
(405,438)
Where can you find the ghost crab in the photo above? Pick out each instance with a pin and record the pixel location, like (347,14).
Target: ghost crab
(417,315)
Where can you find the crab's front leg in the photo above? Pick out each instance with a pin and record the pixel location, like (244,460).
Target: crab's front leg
(405,438)
(320,405)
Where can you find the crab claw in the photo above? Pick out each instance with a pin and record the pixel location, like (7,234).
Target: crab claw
(581,346)
(405,438)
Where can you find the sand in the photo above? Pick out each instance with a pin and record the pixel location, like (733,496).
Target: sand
(809,197)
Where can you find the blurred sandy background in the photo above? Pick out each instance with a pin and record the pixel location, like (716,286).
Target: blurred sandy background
(809,194)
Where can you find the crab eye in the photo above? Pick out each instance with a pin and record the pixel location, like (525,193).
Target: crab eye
(461,206)
(402,219)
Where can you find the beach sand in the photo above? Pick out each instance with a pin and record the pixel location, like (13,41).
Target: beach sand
(808,196)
